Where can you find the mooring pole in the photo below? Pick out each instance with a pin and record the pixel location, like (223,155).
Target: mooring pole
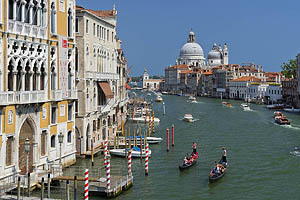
(167,139)
(173,135)
(19,188)
(68,190)
(75,187)
(42,189)
(48,189)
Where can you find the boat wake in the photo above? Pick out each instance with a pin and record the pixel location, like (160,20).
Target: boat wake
(296,152)
(288,126)
(193,120)
(195,102)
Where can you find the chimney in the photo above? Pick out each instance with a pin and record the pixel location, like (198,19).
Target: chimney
(258,68)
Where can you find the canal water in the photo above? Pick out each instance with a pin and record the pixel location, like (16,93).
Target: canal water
(262,159)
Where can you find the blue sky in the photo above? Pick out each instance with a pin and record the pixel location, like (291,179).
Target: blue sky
(264,32)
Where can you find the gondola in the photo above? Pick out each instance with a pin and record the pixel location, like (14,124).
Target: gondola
(214,177)
(184,166)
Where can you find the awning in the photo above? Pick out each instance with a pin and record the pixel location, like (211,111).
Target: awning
(127,86)
(106,89)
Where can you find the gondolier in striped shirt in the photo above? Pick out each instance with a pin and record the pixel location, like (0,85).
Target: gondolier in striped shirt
(224,155)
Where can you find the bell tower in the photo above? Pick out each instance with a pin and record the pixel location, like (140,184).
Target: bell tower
(225,54)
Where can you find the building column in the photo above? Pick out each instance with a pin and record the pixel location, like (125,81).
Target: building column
(30,12)
(15,10)
(39,8)
(15,80)
(23,2)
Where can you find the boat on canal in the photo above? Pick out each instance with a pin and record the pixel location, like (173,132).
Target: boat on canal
(142,119)
(148,94)
(150,140)
(188,118)
(135,152)
(188,163)
(276,106)
(214,176)
(292,109)
(224,103)
(282,120)
(192,98)
(159,99)
(165,93)
(245,107)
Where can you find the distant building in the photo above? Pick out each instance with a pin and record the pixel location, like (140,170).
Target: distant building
(151,84)
(290,92)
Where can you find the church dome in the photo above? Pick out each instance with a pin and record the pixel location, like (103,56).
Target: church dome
(191,49)
(214,54)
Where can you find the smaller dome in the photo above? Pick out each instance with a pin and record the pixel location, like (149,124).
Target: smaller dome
(214,54)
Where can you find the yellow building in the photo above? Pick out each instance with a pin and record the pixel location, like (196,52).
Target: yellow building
(37,85)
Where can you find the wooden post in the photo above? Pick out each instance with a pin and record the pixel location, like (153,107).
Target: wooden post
(146,159)
(145,136)
(150,124)
(28,183)
(134,138)
(75,187)
(86,184)
(115,142)
(92,152)
(68,190)
(141,145)
(173,135)
(19,188)
(129,141)
(49,187)
(167,139)
(153,121)
(42,189)
(125,140)
(122,128)
(118,140)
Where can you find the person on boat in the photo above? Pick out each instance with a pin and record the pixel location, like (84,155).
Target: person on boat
(194,148)
(185,160)
(224,156)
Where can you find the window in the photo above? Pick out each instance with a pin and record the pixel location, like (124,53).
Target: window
(98,31)
(9,151)
(69,137)
(87,26)
(53,18)
(53,115)
(107,35)
(10,9)
(76,59)
(112,36)
(94,125)
(76,25)
(94,29)
(70,112)
(70,23)
(53,141)
(43,142)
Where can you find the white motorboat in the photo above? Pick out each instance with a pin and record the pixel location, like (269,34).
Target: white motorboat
(135,152)
(149,94)
(275,106)
(150,140)
(165,93)
(142,119)
(192,98)
(158,99)
(295,110)
(188,118)
(245,107)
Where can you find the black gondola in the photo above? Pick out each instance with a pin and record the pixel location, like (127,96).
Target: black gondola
(214,177)
(189,164)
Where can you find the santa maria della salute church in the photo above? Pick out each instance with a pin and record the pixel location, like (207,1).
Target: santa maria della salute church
(192,54)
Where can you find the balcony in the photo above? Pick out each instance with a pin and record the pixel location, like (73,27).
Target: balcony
(72,94)
(26,29)
(56,95)
(102,76)
(22,97)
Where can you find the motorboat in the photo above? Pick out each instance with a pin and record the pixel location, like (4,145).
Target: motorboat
(282,120)
(295,110)
(224,103)
(194,101)
(245,107)
(277,114)
(142,119)
(150,140)
(135,152)
(148,94)
(188,118)
(165,93)
(158,99)
(275,106)
(192,98)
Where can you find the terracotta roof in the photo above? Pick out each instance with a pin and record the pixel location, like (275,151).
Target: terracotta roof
(246,79)
(208,73)
(273,74)
(99,13)
(153,80)
(186,71)
(178,67)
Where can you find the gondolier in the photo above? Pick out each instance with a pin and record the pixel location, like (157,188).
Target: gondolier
(194,148)
(224,156)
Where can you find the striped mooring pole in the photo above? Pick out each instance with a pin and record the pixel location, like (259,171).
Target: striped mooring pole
(168,139)
(105,152)
(86,184)
(129,163)
(146,160)
(108,174)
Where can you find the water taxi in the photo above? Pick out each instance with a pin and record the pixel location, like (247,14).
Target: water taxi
(294,110)
(135,152)
(149,94)
(282,120)
(245,107)
(150,140)
(142,119)
(188,118)
(164,93)
(158,99)
(275,106)
(192,98)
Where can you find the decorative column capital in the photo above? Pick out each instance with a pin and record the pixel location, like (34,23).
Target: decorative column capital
(15,72)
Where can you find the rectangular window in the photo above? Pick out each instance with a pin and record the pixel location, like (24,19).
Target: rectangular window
(76,107)
(53,141)
(43,142)
(76,25)
(98,31)
(9,151)
(112,36)
(107,35)
(87,26)
(94,29)
(69,138)
(70,112)
(53,115)
(94,125)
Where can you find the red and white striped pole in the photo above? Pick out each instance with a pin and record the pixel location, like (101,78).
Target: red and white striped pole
(146,160)
(129,163)
(173,135)
(168,139)
(86,184)
(105,152)
(108,174)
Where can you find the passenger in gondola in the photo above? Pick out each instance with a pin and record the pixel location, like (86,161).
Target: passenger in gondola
(224,155)
(185,160)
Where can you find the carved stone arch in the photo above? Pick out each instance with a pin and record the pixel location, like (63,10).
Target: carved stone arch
(11,59)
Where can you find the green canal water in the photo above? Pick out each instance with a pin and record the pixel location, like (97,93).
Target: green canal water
(261,154)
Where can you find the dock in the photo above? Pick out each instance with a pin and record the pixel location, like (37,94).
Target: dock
(12,197)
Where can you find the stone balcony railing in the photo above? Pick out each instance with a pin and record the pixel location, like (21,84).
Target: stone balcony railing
(102,76)
(56,95)
(72,94)
(22,28)
(22,97)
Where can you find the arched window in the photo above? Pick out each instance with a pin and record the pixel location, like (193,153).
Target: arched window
(10,85)
(35,11)
(53,18)
(53,77)
(19,11)
(10,9)
(42,77)
(70,23)
(69,76)
(43,11)
(26,12)
(19,76)
(34,77)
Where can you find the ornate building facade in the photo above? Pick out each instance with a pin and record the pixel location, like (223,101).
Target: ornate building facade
(37,89)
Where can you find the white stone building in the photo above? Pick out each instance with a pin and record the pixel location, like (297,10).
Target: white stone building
(238,88)
(150,84)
